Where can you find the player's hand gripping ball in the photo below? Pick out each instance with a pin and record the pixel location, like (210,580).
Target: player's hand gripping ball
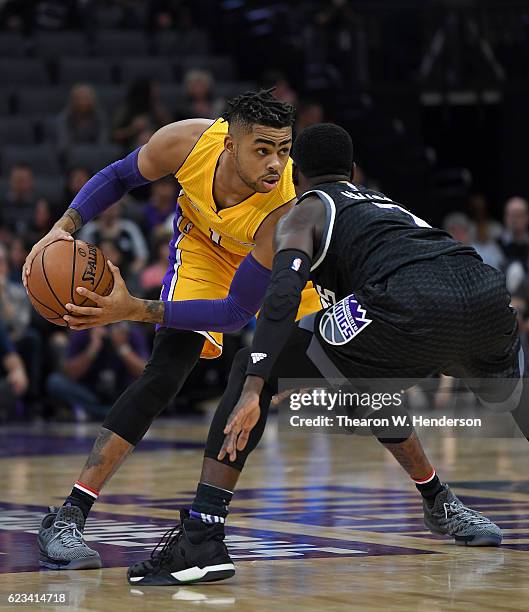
(59,269)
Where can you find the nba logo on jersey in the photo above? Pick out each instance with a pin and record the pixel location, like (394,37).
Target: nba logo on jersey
(296,264)
(343,321)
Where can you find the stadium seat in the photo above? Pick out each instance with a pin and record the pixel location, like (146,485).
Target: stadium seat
(41,101)
(60,44)
(97,71)
(42,158)
(16,131)
(48,128)
(13,45)
(21,71)
(229,89)
(221,67)
(155,68)
(117,43)
(174,43)
(4,103)
(52,188)
(110,97)
(93,156)
(172,95)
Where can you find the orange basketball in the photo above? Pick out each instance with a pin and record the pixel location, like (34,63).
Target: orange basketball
(59,269)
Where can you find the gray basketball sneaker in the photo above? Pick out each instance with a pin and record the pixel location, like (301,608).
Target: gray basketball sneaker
(448,516)
(61,541)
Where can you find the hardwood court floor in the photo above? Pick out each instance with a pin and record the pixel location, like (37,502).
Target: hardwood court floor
(318,523)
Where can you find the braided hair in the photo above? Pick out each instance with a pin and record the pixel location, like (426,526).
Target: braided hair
(258,107)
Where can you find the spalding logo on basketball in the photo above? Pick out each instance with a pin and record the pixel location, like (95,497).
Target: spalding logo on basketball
(59,269)
(89,274)
(343,321)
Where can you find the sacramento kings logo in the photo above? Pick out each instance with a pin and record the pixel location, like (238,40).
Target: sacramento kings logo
(343,321)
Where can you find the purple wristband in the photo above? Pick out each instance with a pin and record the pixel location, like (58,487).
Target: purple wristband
(247,291)
(108,186)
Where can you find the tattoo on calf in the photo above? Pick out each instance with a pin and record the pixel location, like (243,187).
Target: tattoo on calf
(410,456)
(96,455)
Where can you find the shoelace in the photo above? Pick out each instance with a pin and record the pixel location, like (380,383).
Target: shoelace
(455,508)
(167,542)
(69,534)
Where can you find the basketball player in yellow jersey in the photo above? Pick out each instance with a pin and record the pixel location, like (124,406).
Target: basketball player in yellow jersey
(236,181)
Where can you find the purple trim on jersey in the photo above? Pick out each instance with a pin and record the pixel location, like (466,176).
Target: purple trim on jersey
(170,272)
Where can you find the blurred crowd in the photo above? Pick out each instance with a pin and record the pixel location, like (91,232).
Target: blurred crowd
(504,246)
(47,371)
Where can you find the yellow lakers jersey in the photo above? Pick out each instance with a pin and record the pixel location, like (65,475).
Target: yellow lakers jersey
(232,228)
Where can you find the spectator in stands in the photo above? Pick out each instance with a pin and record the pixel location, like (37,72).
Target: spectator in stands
(16,16)
(282,89)
(460,227)
(309,113)
(168,14)
(484,227)
(142,110)
(27,15)
(43,220)
(56,14)
(161,204)
(82,121)
(18,251)
(485,232)
(514,241)
(77,177)
(15,313)
(125,235)
(13,378)
(457,224)
(200,99)
(152,277)
(100,364)
(19,203)
(15,308)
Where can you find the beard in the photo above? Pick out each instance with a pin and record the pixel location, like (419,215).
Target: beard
(247,180)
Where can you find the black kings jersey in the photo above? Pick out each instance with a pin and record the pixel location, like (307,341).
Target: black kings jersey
(368,237)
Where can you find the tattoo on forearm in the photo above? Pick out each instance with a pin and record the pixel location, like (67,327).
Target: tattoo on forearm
(410,456)
(154,311)
(96,457)
(75,218)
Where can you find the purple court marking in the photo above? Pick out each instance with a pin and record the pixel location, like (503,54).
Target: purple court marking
(26,445)
(513,486)
(122,540)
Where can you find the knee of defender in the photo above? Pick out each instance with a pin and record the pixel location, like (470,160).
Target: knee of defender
(240,360)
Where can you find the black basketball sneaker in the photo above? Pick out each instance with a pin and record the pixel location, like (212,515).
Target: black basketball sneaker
(192,551)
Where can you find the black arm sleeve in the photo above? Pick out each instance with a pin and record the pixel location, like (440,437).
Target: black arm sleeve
(290,274)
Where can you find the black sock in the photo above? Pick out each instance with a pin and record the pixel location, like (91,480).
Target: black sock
(82,497)
(430,488)
(210,504)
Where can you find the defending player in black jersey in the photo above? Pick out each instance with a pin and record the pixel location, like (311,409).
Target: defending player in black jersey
(404,301)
